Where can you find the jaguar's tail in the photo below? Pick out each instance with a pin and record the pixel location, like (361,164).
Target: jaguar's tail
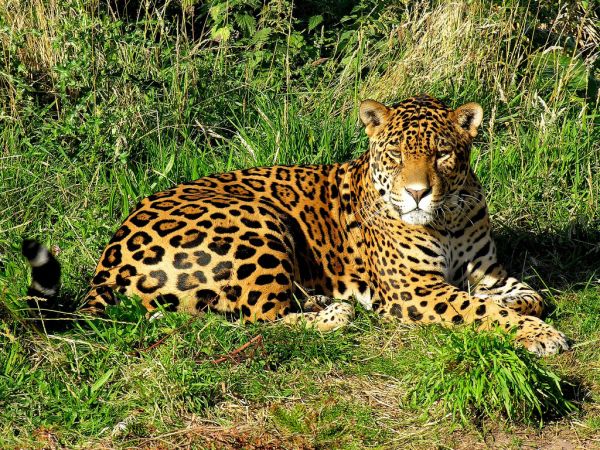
(45,286)
(45,270)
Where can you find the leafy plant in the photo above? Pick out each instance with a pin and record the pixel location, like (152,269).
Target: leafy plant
(475,374)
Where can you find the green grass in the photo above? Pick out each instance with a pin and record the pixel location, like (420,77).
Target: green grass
(481,374)
(102,106)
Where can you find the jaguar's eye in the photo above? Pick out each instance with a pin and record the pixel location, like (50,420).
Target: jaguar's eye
(396,155)
(443,155)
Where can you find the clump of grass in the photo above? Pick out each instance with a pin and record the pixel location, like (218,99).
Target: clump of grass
(331,422)
(474,375)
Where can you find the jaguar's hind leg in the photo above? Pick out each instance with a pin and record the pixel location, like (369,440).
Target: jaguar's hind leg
(334,316)
(97,299)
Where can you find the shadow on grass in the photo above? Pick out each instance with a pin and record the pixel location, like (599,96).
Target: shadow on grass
(576,390)
(565,260)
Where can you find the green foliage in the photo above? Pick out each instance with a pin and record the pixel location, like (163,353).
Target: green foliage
(477,374)
(328,422)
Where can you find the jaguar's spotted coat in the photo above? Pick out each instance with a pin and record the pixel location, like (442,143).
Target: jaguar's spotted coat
(404,229)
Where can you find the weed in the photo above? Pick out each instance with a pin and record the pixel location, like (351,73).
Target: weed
(478,374)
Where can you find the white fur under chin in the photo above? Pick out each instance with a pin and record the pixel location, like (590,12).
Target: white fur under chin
(417,217)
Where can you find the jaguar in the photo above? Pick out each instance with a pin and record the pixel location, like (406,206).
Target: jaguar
(403,230)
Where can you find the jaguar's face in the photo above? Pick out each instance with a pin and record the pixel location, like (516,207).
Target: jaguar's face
(419,153)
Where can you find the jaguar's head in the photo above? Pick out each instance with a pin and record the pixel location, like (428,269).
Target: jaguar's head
(419,153)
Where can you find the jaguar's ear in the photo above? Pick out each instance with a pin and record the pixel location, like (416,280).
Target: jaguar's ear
(374,115)
(469,117)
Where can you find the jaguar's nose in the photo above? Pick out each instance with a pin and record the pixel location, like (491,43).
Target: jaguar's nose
(418,194)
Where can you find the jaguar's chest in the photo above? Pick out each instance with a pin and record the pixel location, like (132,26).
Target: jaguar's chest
(462,252)
(398,254)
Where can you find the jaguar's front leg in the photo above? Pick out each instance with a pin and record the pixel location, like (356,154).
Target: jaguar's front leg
(487,278)
(429,299)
